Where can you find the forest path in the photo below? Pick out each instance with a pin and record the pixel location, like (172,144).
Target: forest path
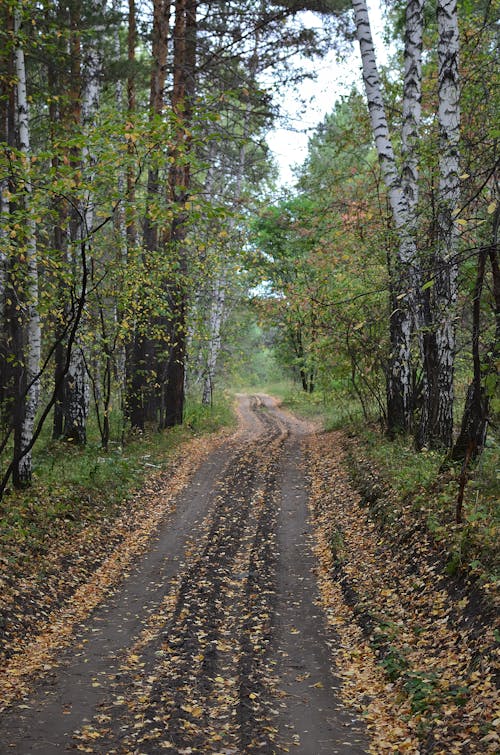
(215,642)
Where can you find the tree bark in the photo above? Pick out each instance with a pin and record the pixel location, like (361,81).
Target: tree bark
(76,389)
(143,365)
(436,423)
(445,289)
(405,281)
(179,187)
(214,340)
(486,376)
(412,100)
(29,340)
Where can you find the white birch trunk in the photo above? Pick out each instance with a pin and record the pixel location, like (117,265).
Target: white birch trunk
(90,104)
(77,400)
(445,289)
(412,99)
(402,318)
(121,226)
(77,392)
(31,315)
(217,317)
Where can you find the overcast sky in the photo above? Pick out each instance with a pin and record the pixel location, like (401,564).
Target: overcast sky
(289,145)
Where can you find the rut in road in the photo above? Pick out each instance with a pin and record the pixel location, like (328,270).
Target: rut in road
(215,643)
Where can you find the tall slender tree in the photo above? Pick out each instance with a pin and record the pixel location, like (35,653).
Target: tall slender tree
(405,271)
(185,32)
(142,398)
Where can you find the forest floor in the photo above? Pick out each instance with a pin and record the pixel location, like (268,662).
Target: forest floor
(246,601)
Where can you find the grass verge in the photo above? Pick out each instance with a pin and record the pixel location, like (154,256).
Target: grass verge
(81,505)
(416,646)
(391,474)
(73,485)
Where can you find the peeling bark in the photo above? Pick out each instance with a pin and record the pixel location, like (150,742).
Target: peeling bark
(405,281)
(436,430)
(29,386)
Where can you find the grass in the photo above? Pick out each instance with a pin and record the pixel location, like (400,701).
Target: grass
(472,546)
(415,478)
(73,486)
(334,413)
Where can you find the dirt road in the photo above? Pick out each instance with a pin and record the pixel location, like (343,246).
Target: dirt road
(215,641)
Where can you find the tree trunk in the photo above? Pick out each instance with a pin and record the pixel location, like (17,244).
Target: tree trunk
(215,340)
(29,341)
(142,399)
(412,100)
(405,279)
(131,106)
(76,399)
(7,108)
(486,380)
(179,186)
(436,427)
(445,289)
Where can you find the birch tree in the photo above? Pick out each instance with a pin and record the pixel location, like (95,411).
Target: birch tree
(76,387)
(24,321)
(402,196)
(444,291)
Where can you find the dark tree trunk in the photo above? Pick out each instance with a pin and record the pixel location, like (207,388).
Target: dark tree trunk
(179,186)
(472,436)
(143,402)
(399,379)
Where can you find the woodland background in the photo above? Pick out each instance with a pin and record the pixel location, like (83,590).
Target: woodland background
(147,255)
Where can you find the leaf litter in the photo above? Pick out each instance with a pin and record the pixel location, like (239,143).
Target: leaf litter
(58,590)
(422,674)
(200,677)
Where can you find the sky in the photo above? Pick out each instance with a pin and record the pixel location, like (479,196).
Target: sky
(334,78)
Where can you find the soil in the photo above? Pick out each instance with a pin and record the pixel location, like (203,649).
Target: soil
(214,641)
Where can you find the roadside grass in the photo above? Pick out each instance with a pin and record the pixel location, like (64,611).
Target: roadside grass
(394,475)
(75,486)
(412,594)
(471,547)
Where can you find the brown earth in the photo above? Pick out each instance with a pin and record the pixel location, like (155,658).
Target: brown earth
(214,640)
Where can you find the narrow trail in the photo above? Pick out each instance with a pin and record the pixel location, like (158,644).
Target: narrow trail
(215,641)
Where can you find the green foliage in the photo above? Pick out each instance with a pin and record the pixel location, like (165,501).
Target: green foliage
(74,485)
(472,547)
(317,255)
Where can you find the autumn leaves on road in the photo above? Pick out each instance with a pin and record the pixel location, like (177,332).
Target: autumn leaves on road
(214,641)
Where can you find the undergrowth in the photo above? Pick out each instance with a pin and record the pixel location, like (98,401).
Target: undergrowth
(414,478)
(471,547)
(74,486)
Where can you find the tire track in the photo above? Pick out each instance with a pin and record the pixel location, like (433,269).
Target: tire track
(201,644)
(194,671)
